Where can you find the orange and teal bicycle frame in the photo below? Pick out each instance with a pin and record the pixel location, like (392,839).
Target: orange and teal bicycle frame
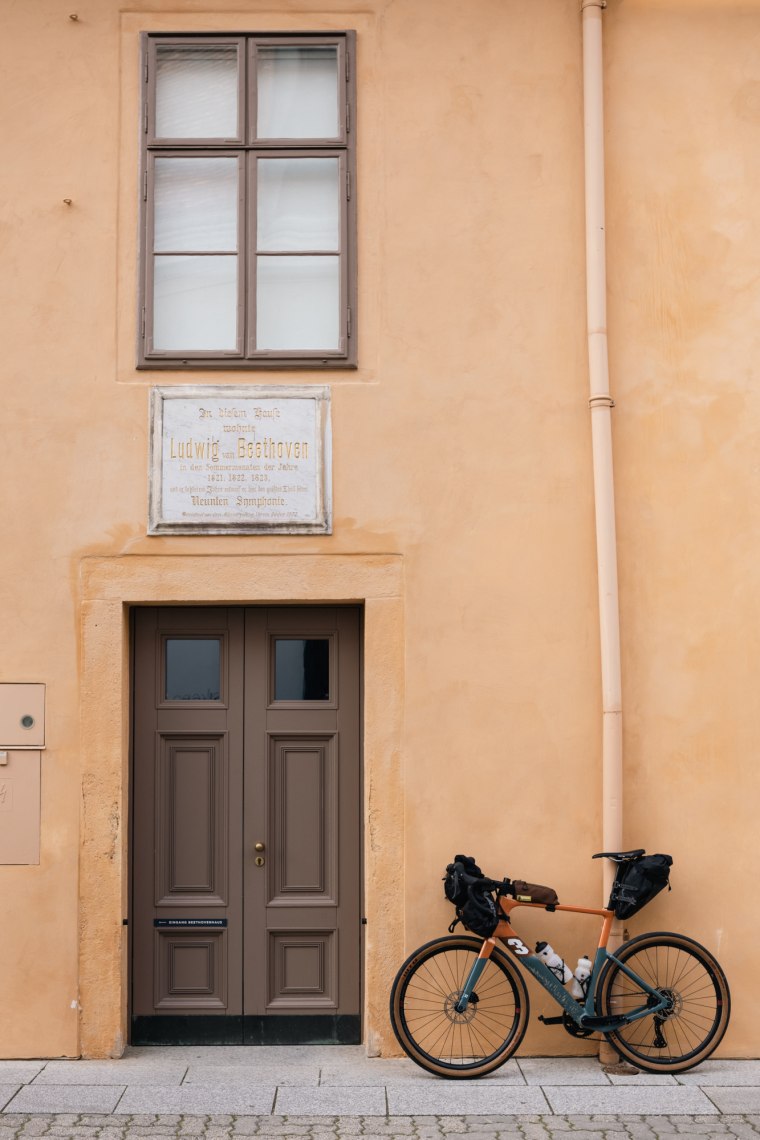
(583,1013)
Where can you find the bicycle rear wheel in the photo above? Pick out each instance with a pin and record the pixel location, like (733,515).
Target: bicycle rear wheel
(692,1027)
(426,1024)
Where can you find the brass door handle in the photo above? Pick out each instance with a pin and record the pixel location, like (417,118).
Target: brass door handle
(258,846)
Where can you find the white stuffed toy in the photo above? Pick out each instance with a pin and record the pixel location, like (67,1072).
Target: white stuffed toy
(554,962)
(579,988)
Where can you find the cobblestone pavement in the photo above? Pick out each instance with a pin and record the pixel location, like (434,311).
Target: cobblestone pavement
(168,1127)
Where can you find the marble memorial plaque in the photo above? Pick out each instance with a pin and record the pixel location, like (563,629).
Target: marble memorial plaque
(253,460)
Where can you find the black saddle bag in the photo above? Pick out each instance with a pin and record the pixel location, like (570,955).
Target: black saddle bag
(637,882)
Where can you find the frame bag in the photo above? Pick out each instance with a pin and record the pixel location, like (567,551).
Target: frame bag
(638,882)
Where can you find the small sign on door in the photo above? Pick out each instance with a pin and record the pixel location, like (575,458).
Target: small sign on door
(190,923)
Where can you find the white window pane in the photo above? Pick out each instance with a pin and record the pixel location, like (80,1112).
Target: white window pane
(196,92)
(195,303)
(196,204)
(298,205)
(298,303)
(297,92)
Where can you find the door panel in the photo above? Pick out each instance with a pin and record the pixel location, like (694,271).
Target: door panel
(191,820)
(191,970)
(246,810)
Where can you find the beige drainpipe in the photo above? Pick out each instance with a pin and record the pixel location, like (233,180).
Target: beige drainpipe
(601,404)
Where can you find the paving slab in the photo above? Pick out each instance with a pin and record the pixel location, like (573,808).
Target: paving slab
(197,1100)
(391,1071)
(252,1073)
(562,1071)
(660,1100)
(378,1071)
(65,1098)
(741,1099)
(6,1093)
(247,1054)
(122,1072)
(721,1073)
(331,1101)
(456,1098)
(19,1072)
(641,1078)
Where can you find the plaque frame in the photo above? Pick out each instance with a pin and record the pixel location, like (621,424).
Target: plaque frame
(320,520)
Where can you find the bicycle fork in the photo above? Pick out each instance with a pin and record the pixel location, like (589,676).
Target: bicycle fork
(478,967)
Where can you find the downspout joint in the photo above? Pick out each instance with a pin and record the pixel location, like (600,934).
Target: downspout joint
(601,402)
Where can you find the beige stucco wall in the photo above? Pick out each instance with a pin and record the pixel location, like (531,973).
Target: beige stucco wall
(462,471)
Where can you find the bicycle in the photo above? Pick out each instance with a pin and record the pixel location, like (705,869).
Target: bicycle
(459,1005)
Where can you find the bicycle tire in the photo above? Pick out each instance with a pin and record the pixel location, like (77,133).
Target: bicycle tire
(701,1002)
(428,1029)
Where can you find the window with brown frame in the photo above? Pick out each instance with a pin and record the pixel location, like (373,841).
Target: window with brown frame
(248,236)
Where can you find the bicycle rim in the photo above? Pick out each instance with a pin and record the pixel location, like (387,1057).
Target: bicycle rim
(687,974)
(433,1034)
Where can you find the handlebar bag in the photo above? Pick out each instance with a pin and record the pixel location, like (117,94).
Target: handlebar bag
(464,886)
(637,883)
(458,877)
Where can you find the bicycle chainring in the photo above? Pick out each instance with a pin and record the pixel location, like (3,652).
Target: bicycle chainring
(573,1028)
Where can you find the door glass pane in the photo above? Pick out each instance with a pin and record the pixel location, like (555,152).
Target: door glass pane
(196,202)
(195,303)
(193,669)
(298,205)
(298,303)
(302,669)
(297,92)
(196,92)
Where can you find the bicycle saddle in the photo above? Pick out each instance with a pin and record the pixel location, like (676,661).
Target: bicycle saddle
(620,856)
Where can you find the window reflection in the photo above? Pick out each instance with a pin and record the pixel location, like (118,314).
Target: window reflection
(193,669)
(302,669)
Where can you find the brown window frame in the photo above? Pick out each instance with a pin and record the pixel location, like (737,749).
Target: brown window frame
(249,151)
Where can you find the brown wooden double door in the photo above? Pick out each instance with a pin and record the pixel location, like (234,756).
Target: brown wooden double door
(245,921)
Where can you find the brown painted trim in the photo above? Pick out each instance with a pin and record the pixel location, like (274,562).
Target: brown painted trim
(246,356)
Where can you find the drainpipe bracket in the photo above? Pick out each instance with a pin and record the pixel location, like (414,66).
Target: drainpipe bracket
(593,4)
(601,402)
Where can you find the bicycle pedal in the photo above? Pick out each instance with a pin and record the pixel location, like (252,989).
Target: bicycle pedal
(550,1020)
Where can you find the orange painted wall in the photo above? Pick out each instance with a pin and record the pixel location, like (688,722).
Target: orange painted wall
(461,454)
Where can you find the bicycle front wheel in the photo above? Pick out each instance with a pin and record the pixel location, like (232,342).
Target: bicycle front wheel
(693,1024)
(427,1026)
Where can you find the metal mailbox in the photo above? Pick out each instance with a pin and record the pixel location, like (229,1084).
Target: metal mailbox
(22,740)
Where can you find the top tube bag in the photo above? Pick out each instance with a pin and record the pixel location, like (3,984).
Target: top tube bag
(637,882)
